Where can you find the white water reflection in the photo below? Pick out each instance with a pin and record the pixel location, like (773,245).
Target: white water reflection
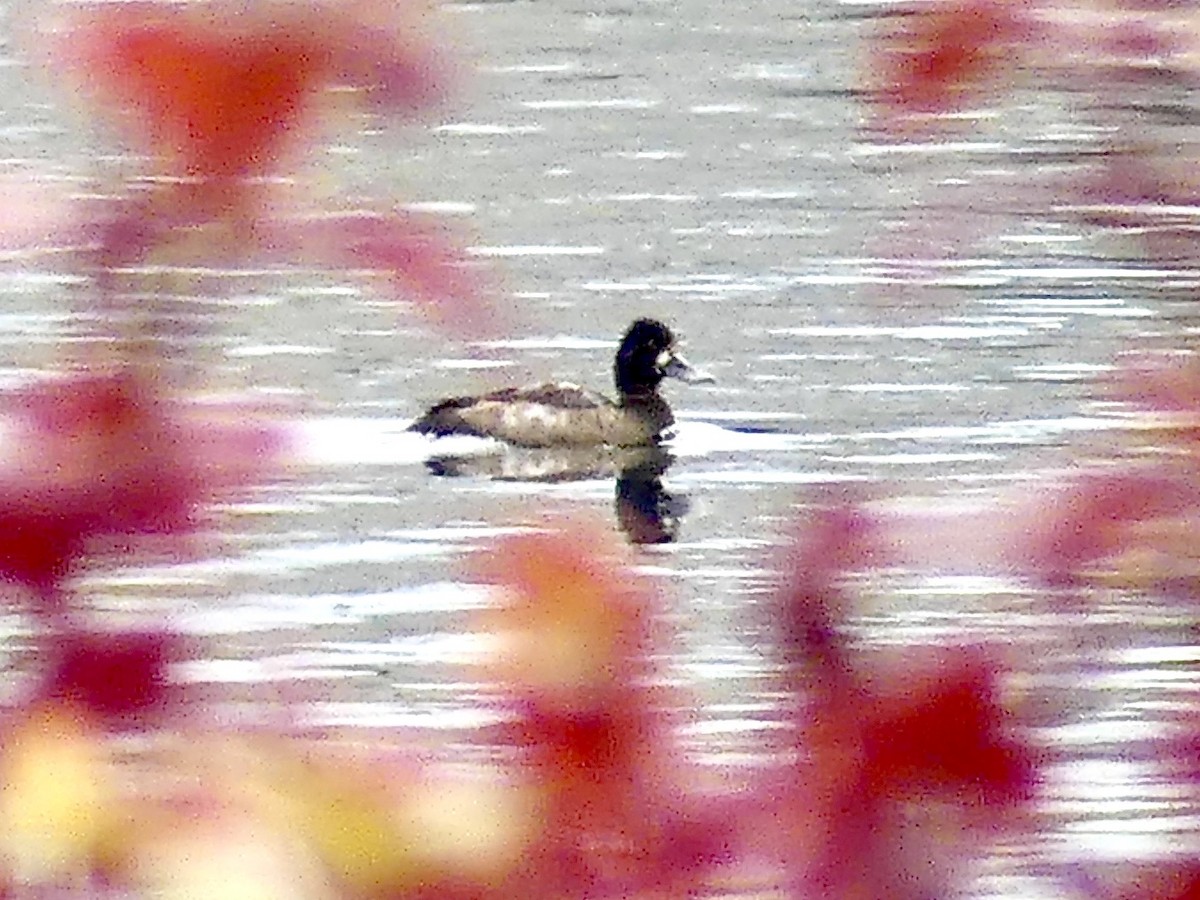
(348,441)
(343,441)
(266,611)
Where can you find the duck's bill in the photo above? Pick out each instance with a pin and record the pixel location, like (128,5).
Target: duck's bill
(678,367)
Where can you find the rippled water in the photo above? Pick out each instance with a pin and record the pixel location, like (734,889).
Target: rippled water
(703,163)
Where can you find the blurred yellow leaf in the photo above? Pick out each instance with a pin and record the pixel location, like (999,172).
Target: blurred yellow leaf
(58,796)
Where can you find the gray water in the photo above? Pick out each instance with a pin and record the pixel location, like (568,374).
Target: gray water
(707,164)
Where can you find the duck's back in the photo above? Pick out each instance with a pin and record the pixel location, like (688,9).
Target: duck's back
(547,415)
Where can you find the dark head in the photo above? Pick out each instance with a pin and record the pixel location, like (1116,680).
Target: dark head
(647,355)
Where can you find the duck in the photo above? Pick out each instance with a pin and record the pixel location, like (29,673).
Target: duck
(561,414)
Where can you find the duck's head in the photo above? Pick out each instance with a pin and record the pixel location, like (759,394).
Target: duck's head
(648,355)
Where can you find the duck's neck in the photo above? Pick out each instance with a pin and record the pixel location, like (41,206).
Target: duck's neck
(649,408)
(641,397)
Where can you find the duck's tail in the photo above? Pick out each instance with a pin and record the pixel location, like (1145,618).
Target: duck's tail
(445,419)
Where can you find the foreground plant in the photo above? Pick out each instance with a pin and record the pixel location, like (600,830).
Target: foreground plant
(97,459)
(224,105)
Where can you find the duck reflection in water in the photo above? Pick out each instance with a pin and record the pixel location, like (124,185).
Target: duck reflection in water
(645,510)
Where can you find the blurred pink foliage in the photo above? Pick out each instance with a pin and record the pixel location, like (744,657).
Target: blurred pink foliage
(94,459)
(618,800)
(117,679)
(222,90)
(224,101)
(880,733)
(946,54)
(940,69)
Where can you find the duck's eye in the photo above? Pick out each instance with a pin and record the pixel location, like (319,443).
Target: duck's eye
(664,359)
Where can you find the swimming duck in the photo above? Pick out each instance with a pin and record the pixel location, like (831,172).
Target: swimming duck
(563,414)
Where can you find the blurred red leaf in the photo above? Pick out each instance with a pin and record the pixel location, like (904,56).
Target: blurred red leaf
(574,621)
(944,732)
(220,94)
(97,455)
(1168,880)
(923,734)
(1091,517)
(221,108)
(575,659)
(879,735)
(120,679)
(221,89)
(946,53)
(837,537)
(214,103)
(415,258)
(935,729)
(573,655)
